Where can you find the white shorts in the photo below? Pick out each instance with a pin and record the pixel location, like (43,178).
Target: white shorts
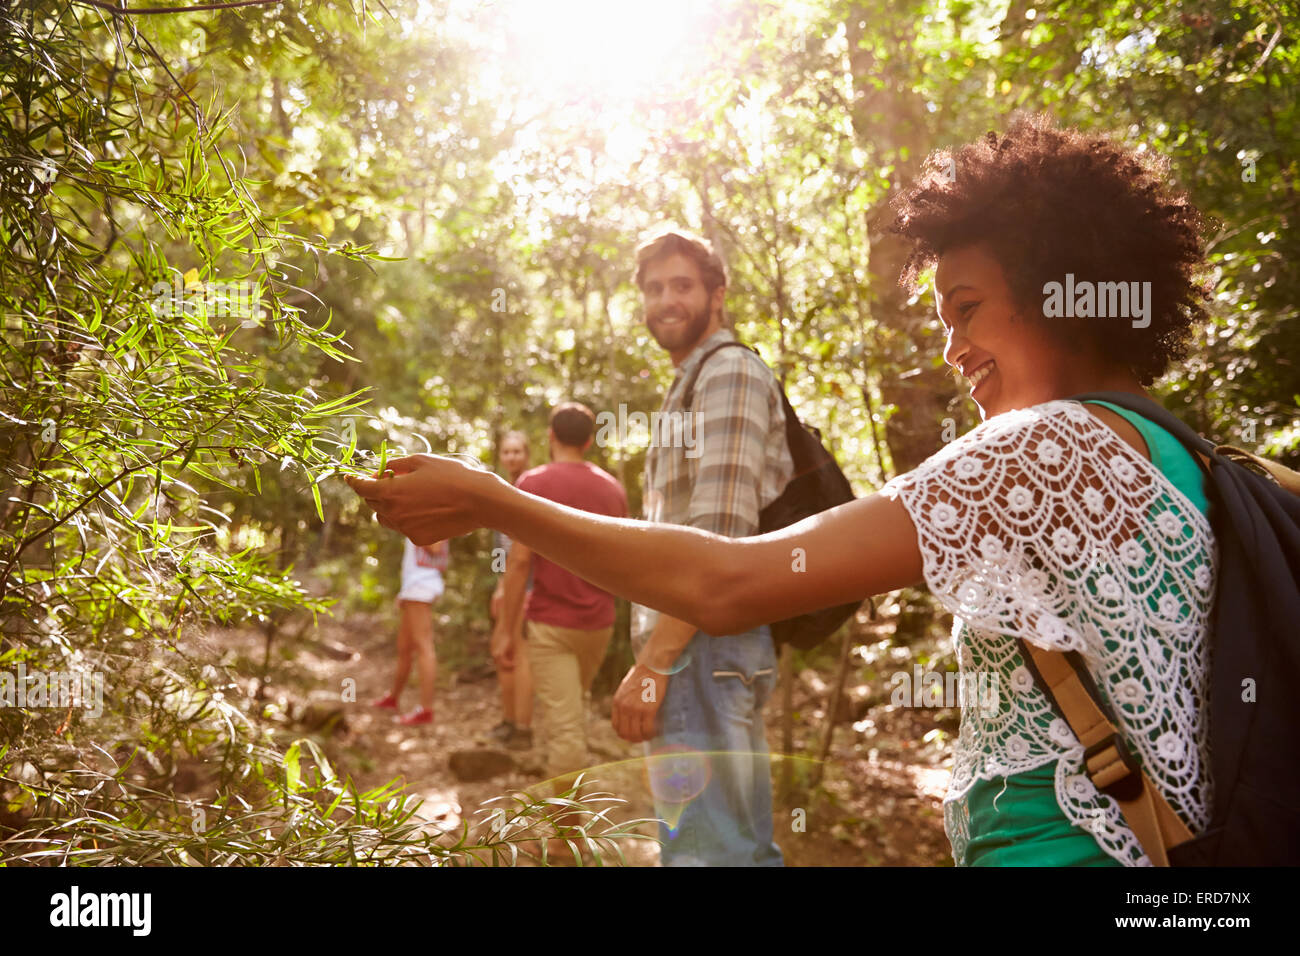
(419,583)
(426,591)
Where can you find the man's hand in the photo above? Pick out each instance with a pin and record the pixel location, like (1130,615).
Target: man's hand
(639,697)
(502,647)
(637,702)
(428,499)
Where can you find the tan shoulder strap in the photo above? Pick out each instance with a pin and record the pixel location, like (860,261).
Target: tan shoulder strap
(1109,764)
(1284,476)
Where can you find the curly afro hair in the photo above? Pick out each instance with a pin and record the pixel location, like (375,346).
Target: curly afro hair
(1051,201)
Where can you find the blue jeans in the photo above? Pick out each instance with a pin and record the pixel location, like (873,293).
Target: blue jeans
(715,782)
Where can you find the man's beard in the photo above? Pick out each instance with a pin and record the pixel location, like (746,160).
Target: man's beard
(682,336)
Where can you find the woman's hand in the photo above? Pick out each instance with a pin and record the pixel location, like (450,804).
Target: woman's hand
(428,498)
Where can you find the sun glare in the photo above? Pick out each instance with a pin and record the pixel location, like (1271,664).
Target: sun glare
(602,52)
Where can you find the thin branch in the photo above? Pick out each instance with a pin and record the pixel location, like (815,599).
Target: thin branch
(89,499)
(1268,51)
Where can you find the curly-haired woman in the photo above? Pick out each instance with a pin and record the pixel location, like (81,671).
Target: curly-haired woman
(1070,526)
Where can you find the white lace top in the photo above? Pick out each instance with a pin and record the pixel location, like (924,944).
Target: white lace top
(1043,524)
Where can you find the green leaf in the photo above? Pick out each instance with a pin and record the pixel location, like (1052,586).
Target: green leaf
(292,769)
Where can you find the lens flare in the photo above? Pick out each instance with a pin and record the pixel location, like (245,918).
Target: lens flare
(676,775)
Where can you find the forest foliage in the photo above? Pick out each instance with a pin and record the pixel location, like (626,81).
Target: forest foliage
(243,250)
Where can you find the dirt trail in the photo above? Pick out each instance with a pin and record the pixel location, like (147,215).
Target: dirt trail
(878,803)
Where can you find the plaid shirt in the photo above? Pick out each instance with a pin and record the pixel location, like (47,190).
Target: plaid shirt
(717,464)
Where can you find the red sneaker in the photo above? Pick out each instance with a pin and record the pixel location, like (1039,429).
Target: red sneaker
(417,716)
(387,702)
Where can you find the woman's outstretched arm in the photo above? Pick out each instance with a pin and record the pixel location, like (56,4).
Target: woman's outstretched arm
(721,585)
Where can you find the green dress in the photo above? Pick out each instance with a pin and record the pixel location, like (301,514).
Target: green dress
(1015,820)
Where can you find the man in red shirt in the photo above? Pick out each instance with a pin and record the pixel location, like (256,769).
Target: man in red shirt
(568,621)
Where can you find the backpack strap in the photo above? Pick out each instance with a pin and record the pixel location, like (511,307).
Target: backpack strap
(1109,763)
(1284,476)
(689,397)
(794,428)
(1255,512)
(1202,449)
(1107,760)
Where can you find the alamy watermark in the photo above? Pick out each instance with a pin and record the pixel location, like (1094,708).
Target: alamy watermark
(235,300)
(76,908)
(1101,300)
(929,688)
(675,429)
(61,689)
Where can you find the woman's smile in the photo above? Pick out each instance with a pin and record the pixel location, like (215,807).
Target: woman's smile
(977,376)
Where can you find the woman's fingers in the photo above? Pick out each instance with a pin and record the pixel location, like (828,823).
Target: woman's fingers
(422,496)
(407,464)
(373,490)
(374,493)
(366,487)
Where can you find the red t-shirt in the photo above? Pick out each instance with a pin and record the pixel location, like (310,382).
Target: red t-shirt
(560,597)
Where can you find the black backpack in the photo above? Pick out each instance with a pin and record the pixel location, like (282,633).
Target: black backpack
(818,484)
(1254,646)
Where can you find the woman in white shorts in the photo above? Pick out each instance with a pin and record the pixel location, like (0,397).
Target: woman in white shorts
(422,585)
(516,681)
